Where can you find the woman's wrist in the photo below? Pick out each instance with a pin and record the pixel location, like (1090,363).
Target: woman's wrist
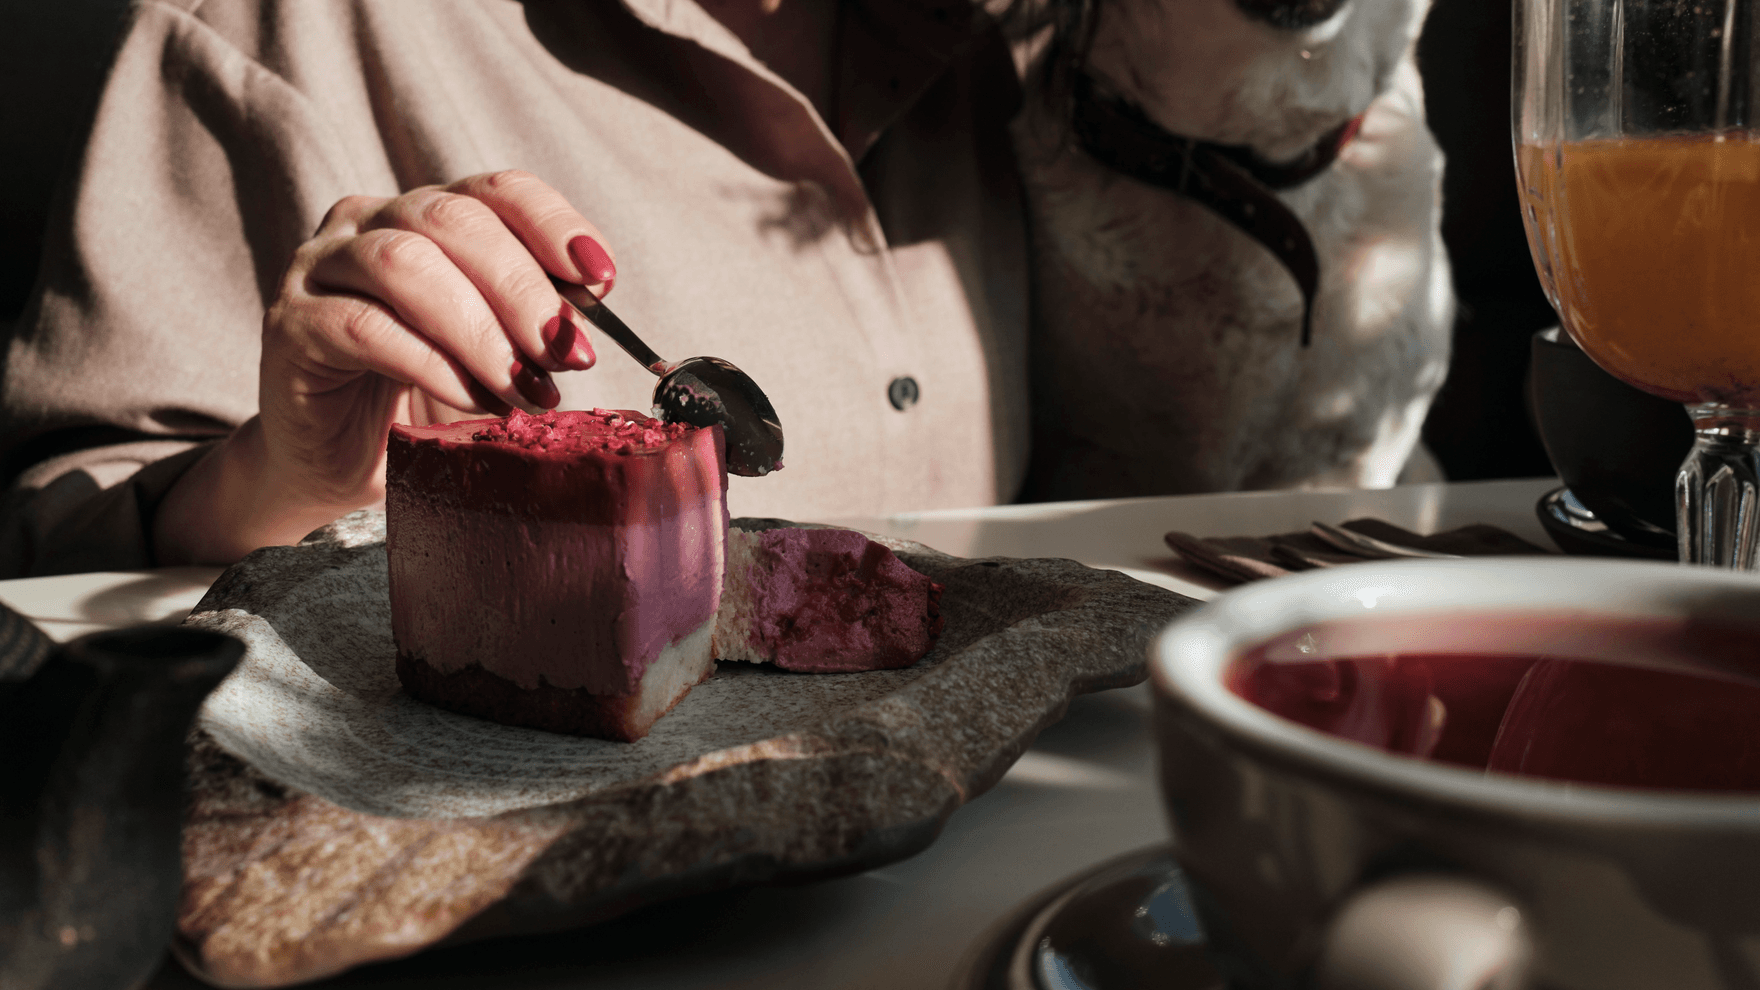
(231,502)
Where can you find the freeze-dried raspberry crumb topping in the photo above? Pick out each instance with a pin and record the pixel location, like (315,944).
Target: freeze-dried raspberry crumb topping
(575,430)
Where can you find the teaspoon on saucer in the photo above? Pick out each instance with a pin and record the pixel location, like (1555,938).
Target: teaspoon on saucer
(698,390)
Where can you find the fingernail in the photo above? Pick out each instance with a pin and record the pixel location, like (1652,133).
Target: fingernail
(567,345)
(486,400)
(592,260)
(535,384)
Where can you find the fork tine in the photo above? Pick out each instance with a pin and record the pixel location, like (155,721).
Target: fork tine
(1369,547)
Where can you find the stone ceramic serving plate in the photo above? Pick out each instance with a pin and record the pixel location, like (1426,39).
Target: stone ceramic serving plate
(335,821)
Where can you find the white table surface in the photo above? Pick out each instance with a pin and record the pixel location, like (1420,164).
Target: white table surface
(1083,793)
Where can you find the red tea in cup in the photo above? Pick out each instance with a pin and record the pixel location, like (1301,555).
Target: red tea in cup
(1653,703)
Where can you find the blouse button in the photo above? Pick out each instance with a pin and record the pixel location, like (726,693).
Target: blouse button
(902,393)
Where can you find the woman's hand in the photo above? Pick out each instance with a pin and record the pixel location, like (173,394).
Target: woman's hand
(419,308)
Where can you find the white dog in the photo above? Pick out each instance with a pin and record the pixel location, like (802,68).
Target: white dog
(1167,352)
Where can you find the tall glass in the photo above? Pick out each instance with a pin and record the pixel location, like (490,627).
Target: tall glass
(1637,146)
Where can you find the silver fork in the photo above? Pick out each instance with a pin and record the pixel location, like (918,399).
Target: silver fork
(1369,546)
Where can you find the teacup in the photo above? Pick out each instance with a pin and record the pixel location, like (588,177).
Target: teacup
(1319,861)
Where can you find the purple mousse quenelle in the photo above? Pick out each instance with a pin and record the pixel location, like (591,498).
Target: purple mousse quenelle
(558,571)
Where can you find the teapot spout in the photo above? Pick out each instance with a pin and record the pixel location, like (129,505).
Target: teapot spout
(91,804)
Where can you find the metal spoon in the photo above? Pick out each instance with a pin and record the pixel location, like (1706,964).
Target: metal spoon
(698,390)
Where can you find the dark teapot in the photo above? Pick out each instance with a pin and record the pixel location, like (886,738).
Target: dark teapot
(91,797)
(1617,448)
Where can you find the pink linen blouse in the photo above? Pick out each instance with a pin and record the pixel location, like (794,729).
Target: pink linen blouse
(829,258)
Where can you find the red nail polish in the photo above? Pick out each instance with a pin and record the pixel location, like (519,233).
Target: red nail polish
(567,345)
(559,335)
(486,400)
(592,260)
(534,383)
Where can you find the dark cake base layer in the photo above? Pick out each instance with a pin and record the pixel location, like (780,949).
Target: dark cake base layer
(572,711)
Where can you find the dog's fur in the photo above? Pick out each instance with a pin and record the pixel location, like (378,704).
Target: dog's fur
(1166,349)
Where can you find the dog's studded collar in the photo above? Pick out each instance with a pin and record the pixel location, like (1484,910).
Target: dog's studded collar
(1230,179)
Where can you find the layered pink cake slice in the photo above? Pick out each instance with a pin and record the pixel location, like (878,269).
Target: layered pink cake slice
(823,601)
(560,571)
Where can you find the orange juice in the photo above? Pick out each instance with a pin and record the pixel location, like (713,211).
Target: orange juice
(1650,248)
